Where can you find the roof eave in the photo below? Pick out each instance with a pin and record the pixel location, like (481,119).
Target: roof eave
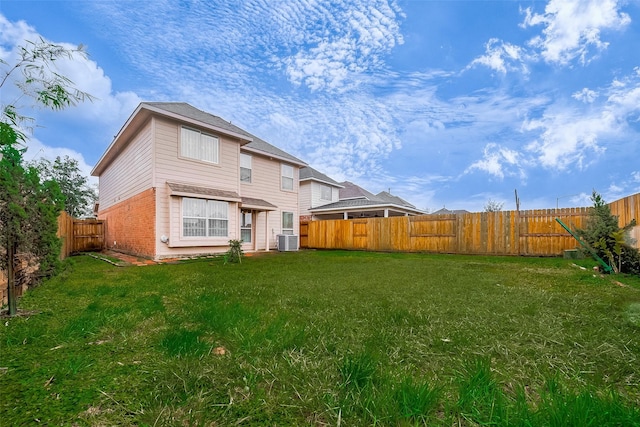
(274,156)
(311,178)
(367,207)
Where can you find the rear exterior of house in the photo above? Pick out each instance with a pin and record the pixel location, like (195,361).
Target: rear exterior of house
(177,181)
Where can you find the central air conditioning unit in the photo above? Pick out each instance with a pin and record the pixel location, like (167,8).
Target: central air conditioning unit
(287,242)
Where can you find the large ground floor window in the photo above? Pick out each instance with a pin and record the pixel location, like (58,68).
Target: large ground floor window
(205,218)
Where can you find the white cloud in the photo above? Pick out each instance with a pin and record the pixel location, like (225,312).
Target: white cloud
(585,95)
(107,108)
(503,57)
(353,40)
(499,161)
(573,136)
(568,138)
(573,28)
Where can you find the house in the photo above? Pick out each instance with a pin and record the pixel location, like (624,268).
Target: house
(177,181)
(445,211)
(316,189)
(348,200)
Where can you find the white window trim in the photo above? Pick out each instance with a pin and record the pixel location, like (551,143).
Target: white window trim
(285,177)
(288,230)
(248,158)
(207,218)
(327,187)
(216,148)
(245,228)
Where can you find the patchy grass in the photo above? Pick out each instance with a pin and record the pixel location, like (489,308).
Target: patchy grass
(326,338)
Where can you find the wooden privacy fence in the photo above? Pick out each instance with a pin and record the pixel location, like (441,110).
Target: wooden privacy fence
(533,232)
(80,235)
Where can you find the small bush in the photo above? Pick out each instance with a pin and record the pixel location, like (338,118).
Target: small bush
(235,253)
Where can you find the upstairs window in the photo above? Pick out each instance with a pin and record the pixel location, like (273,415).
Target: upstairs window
(198,146)
(325,192)
(287,177)
(245,167)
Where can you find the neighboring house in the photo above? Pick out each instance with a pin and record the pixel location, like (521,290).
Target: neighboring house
(356,202)
(316,189)
(444,211)
(177,181)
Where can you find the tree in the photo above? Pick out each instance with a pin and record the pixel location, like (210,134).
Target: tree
(608,239)
(40,81)
(79,195)
(29,207)
(493,206)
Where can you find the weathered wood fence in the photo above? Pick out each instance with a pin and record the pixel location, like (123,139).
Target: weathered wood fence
(530,233)
(80,235)
(77,235)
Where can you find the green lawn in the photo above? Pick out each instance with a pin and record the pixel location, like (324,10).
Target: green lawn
(325,338)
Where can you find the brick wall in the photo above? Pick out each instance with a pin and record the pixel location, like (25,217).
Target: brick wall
(131,225)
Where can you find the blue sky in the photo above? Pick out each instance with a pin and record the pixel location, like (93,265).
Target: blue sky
(446,103)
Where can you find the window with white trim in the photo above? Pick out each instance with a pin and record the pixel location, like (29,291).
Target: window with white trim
(287,222)
(287,177)
(204,218)
(245,226)
(325,192)
(245,167)
(199,146)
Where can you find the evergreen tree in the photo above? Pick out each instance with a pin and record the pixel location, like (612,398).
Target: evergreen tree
(608,239)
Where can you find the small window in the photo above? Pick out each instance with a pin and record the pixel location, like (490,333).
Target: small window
(287,177)
(325,192)
(287,222)
(245,226)
(201,218)
(199,146)
(245,168)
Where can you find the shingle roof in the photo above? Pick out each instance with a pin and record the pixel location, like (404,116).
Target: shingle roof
(308,172)
(205,191)
(351,191)
(257,144)
(388,197)
(186,110)
(447,211)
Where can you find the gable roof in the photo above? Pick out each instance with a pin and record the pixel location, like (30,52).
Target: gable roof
(186,110)
(383,195)
(255,143)
(353,191)
(354,197)
(447,211)
(188,114)
(308,173)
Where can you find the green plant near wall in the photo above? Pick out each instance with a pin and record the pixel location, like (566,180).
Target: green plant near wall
(608,239)
(235,253)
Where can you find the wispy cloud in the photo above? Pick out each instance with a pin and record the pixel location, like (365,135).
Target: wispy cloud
(502,57)
(499,161)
